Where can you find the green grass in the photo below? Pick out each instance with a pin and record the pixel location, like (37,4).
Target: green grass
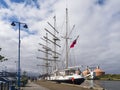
(109,77)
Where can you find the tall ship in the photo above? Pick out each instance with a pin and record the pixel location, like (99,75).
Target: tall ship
(71,75)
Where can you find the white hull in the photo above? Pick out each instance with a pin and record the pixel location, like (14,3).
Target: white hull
(72,79)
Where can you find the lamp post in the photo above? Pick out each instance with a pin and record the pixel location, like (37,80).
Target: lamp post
(19,72)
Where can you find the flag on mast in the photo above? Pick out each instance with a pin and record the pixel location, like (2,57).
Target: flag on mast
(74,42)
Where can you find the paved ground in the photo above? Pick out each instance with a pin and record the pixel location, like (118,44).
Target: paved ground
(33,86)
(56,86)
(47,85)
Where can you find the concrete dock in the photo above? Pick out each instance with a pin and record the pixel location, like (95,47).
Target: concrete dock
(33,86)
(47,85)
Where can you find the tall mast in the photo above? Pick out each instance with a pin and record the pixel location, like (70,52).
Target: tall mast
(54,42)
(46,64)
(50,51)
(66,38)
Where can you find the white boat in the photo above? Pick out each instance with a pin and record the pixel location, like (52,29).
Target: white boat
(69,75)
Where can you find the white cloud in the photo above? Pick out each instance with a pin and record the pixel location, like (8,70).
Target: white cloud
(98,27)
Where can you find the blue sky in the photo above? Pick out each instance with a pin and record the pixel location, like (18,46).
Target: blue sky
(96,21)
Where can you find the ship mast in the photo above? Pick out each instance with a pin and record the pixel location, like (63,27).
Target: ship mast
(49,51)
(55,39)
(46,55)
(46,64)
(66,38)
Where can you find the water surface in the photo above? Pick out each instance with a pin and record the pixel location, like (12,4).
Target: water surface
(109,85)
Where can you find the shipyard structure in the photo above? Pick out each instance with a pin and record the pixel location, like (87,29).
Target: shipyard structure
(93,72)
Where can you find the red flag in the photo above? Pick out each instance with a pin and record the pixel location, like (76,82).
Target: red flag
(74,42)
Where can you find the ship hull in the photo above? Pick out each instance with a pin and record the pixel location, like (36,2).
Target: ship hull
(77,81)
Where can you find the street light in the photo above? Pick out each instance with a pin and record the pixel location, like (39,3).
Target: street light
(19,72)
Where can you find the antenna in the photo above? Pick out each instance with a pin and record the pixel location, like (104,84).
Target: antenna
(66,3)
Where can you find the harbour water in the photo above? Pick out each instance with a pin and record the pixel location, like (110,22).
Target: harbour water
(109,85)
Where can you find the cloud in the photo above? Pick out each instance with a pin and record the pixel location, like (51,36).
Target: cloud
(96,23)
